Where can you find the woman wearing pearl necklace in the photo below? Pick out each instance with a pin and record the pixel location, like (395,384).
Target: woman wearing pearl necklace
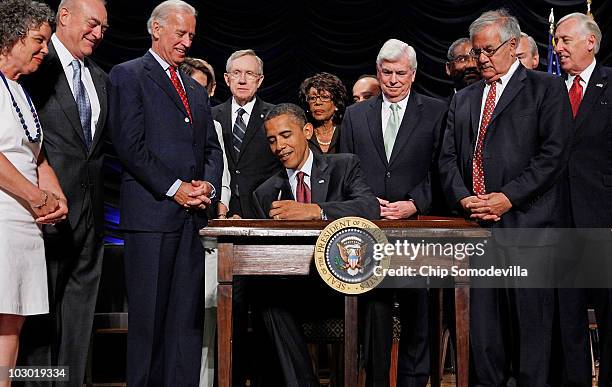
(30,194)
(324,97)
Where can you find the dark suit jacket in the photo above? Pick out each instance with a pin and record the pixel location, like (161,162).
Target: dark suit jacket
(526,148)
(255,163)
(79,171)
(590,163)
(337,186)
(407,175)
(157,144)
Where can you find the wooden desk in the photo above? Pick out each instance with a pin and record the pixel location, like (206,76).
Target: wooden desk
(269,248)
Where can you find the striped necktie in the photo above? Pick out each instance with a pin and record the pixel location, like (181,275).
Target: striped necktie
(238,131)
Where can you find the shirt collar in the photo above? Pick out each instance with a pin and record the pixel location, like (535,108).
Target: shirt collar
(306,168)
(402,104)
(248,107)
(159,60)
(63,54)
(506,77)
(585,75)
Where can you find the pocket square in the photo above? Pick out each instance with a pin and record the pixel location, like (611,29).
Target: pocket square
(599,85)
(321,181)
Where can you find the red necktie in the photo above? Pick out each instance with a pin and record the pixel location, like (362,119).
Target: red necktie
(478,180)
(575,95)
(302,191)
(180,90)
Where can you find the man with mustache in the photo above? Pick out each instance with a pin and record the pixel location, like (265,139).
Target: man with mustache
(70,93)
(502,163)
(163,132)
(461,65)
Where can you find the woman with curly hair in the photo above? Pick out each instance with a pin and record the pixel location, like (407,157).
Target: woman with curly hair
(324,96)
(30,194)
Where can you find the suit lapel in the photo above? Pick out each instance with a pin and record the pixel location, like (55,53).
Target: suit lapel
(255,122)
(226,126)
(514,86)
(475,99)
(282,186)
(100,86)
(319,179)
(159,76)
(597,85)
(375,125)
(411,118)
(65,97)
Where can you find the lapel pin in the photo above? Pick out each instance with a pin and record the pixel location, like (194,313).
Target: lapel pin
(261,116)
(321,181)
(599,85)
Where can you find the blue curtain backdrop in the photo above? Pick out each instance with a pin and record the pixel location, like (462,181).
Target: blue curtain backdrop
(296,39)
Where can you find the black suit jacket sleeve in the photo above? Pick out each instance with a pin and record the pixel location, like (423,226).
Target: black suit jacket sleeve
(550,163)
(448,165)
(357,197)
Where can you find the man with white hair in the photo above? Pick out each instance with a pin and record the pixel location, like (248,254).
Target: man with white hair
(396,136)
(588,82)
(502,163)
(161,126)
(527,52)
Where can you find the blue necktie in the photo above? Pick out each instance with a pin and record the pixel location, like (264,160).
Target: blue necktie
(238,131)
(82,101)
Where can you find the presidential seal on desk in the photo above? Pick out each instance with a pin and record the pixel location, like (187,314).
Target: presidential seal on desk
(344,255)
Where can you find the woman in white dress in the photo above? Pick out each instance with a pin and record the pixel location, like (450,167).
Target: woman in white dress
(30,194)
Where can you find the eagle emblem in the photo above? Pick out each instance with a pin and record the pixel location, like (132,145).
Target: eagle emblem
(352,250)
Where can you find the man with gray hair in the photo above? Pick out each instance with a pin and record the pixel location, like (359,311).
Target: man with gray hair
(461,65)
(163,132)
(502,163)
(69,91)
(578,40)
(241,116)
(396,136)
(527,52)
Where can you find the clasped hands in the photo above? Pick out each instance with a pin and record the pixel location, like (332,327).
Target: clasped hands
(50,209)
(292,210)
(488,207)
(402,209)
(194,195)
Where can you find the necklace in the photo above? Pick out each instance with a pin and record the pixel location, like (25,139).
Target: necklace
(21,119)
(326,143)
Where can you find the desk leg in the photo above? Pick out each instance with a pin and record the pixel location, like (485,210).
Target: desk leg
(351,368)
(435,335)
(462,324)
(224,326)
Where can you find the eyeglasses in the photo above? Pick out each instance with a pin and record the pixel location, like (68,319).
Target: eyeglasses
(475,52)
(462,58)
(323,98)
(249,75)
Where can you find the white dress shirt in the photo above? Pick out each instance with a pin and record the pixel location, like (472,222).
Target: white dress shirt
(248,108)
(306,168)
(585,76)
(502,82)
(66,59)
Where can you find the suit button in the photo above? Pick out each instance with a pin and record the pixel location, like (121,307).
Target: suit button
(195,145)
(388,175)
(237,172)
(187,119)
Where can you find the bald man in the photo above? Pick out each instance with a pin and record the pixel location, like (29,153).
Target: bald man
(527,52)
(367,86)
(69,92)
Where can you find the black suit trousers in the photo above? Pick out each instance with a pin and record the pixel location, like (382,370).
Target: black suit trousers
(164,274)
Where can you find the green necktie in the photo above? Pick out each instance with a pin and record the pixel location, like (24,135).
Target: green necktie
(391,131)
